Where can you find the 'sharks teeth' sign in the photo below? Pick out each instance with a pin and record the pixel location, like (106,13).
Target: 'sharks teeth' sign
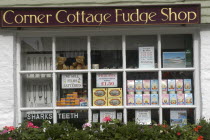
(100,16)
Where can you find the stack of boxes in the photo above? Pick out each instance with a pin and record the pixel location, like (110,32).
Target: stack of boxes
(72,100)
(142,92)
(177,92)
(107,96)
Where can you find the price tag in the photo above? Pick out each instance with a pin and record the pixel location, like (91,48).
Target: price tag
(106,80)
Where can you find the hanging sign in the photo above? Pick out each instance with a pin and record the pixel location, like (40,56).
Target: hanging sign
(106,80)
(72,81)
(100,16)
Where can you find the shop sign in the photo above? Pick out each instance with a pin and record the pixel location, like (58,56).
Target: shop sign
(106,80)
(100,16)
(60,116)
(72,81)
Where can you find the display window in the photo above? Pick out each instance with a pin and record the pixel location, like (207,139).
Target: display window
(133,77)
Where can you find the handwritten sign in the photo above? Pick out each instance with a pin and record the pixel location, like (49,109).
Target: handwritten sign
(72,81)
(106,80)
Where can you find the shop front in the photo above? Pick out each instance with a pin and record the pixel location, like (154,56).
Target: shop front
(132,63)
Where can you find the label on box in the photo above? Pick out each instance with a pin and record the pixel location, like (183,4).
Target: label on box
(130,99)
(146,57)
(146,99)
(173,99)
(99,102)
(130,85)
(146,85)
(171,84)
(187,85)
(115,101)
(138,85)
(180,99)
(179,84)
(164,85)
(154,85)
(83,103)
(154,99)
(114,92)
(99,92)
(138,99)
(165,99)
(188,99)
(107,113)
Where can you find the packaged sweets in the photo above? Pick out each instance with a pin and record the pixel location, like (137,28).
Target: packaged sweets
(99,92)
(173,99)
(180,99)
(165,99)
(114,92)
(171,84)
(130,99)
(146,99)
(164,86)
(187,85)
(179,84)
(138,99)
(146,85)
(154,99)
(99,101)
(188,99)
(154,85)
(114,101)
(130,86)
(138,85)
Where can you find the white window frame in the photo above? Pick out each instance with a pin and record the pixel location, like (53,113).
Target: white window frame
(110,31)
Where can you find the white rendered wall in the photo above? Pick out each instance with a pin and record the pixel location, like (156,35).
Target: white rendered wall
(205,72)
(6,79)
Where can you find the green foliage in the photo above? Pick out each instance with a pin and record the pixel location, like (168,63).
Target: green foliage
(113,130)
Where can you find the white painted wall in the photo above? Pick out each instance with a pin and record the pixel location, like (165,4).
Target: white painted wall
(6,79)
(205,72)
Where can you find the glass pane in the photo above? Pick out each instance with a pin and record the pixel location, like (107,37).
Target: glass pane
(72,89)
(177,51)
(99,115)
(143,116)
(71,53)
(36,90)
(37,117)
(179,116)
(36,53)
(142,88)
(106,52)
(177,88)
(75,117)
(141,52)
(107,89)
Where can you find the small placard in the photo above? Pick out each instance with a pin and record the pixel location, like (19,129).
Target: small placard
(106,80)
(146,57)
(95,117)
(72,81)
(143,117)
(178,117)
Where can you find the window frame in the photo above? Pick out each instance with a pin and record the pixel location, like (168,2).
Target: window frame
(110,31)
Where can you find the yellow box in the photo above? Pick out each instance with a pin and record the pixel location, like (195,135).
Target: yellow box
(72,96)
(114,101)
(99,92)
(76,102)
(100,101)
(114,92)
